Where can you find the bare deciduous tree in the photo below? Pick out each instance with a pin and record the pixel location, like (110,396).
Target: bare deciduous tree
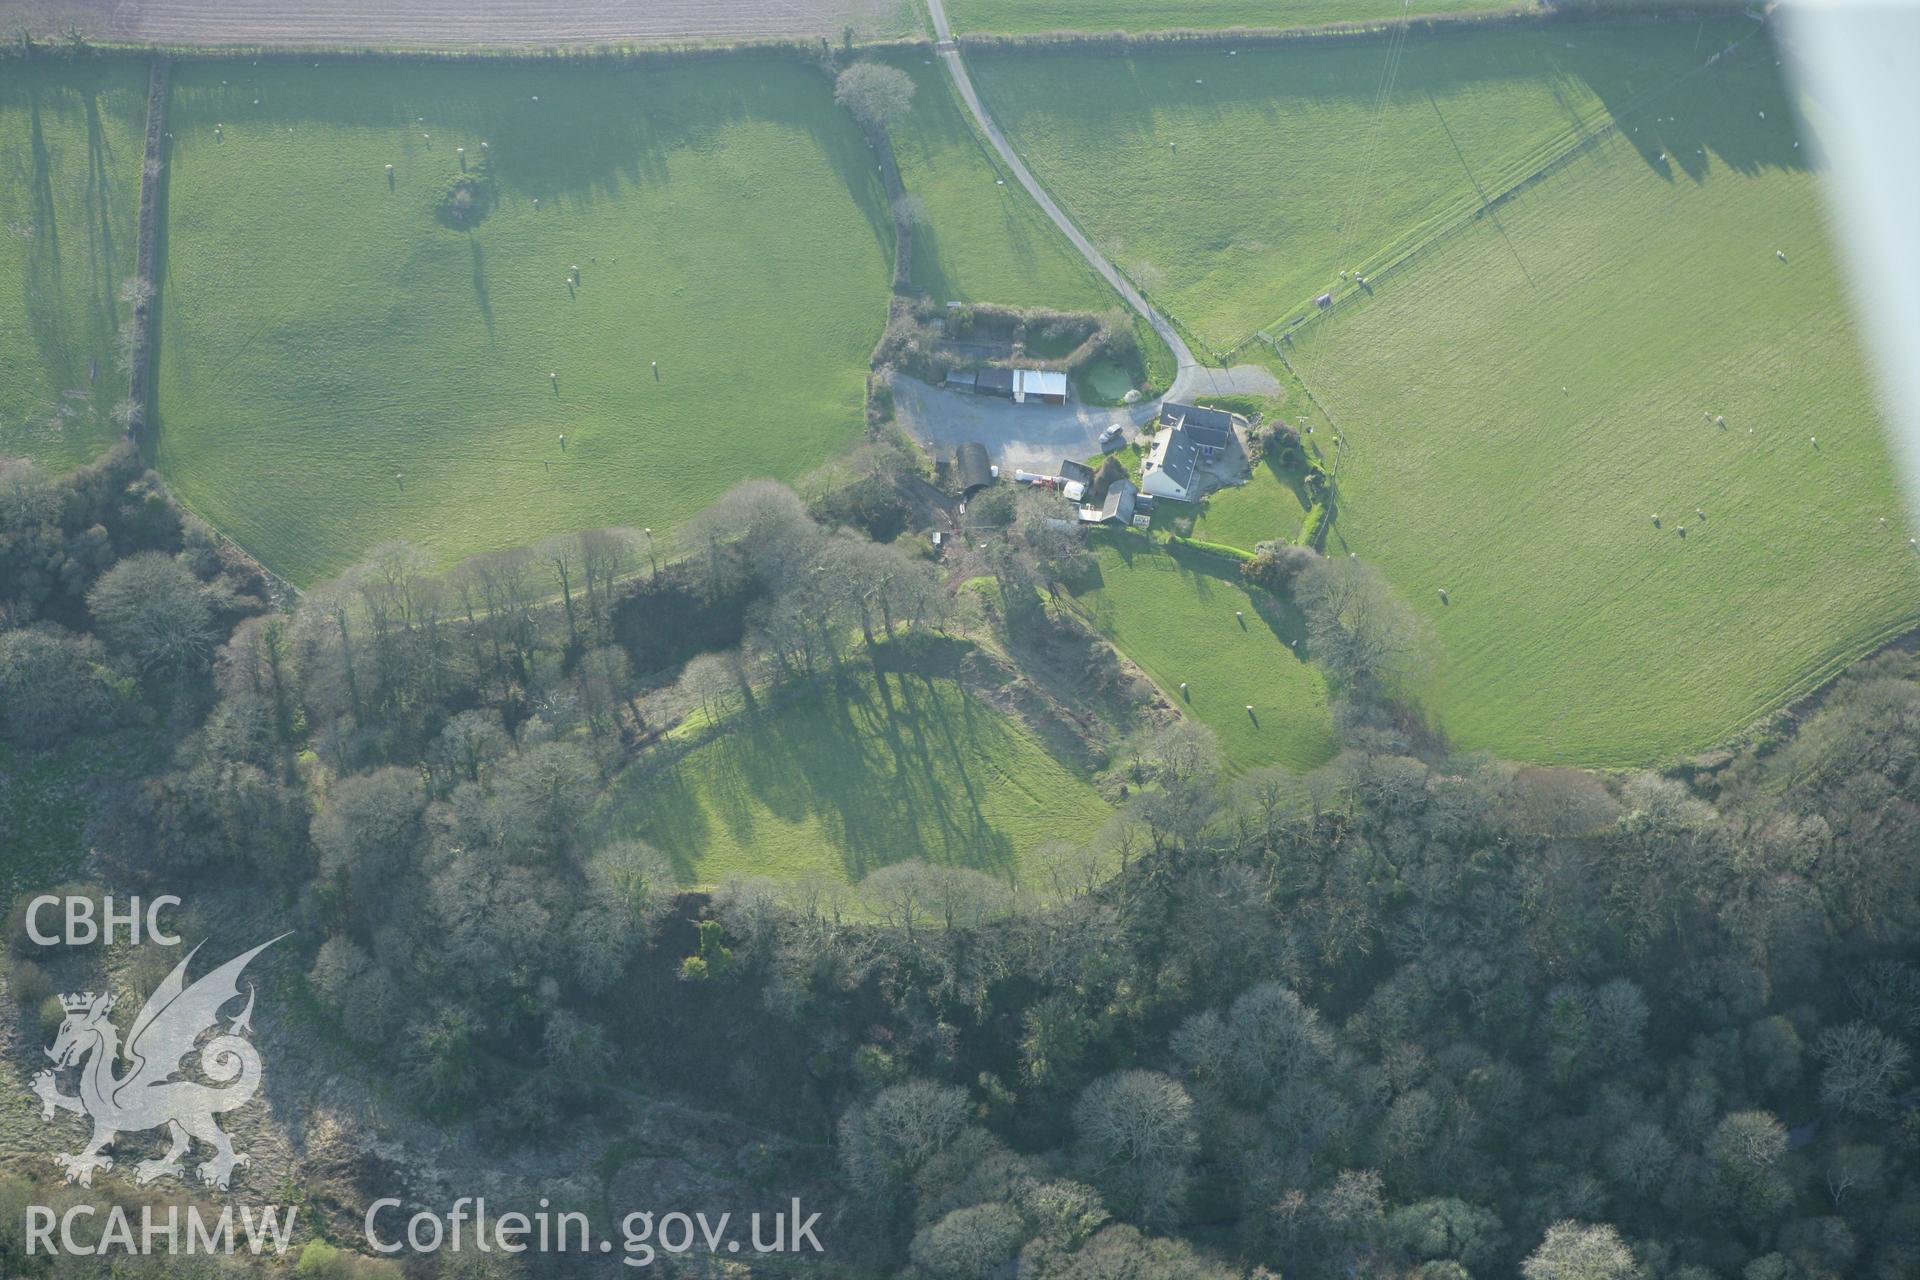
(1134,1135)
(151,607)
(1864,1068)
(1358,630)
(876,93)
(1579,1251)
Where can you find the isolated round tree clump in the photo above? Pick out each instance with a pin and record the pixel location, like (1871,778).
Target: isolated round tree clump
(876,93)
(464,201)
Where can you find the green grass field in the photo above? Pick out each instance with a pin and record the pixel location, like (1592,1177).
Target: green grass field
(1234,187)
(905,766)
(1270,506)
(978,236)
(1649,289)
(1171,609)
(70,151)
(340,369)
(1016,17)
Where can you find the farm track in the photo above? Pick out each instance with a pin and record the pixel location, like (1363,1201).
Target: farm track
(441,23)
(1185,381)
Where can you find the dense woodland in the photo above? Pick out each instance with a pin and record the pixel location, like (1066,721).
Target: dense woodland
(1418,1014)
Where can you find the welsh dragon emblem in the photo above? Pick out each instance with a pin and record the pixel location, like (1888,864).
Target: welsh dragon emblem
(149,1095)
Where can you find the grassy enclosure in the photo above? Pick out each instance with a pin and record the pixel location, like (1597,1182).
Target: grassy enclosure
(1171,609)
(1234,186)
(70,156)
(978,236)
(1016,17)
(841,783)
(358,347)
(1522,401)
(1269,507)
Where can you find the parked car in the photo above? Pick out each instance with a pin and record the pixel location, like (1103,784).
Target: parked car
(1112,438)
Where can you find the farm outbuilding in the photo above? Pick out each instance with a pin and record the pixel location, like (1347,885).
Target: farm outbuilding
(1118,508)
(1022,386)
(1041,385)
(994,382)
(971,468)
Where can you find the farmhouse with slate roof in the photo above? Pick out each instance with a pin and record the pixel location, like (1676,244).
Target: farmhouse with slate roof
(1195,445)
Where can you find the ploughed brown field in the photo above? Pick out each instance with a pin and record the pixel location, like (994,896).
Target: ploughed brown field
(463,22)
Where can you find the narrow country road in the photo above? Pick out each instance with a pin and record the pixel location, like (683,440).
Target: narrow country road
(1038,436)
(949,49)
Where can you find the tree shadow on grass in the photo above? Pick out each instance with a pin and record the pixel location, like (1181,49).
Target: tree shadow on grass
(1124,542)
(1083,577)
(482,298)
(46,317)
(103,261)
(1209,576)
(661,806)
(1636,71)
(1294,478)
(891,766)
(1739,112)
(558,134)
